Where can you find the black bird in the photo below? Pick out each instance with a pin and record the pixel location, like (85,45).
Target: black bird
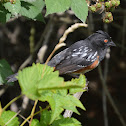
(81,56)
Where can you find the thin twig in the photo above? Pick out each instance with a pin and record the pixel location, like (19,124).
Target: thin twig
(104,100)
(123,35)
(13,100)
(23,118)
(26,120)
(12,118)
(43,49)
(104,94)
(33,110)
(110,98)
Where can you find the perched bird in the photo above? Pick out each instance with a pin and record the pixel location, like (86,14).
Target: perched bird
(81,56)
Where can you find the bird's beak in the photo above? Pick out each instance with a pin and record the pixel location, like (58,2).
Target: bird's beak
(111,44)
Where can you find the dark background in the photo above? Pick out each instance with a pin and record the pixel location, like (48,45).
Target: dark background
(15,48)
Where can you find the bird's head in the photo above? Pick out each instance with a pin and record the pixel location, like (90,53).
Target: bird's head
(101,39)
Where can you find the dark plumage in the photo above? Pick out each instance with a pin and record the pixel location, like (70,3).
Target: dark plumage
(82,53)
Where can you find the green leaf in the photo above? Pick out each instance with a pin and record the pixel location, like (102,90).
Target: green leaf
(5,71)
(80,9)
(59,102)
(8,119)
(28,79)
(51,81)
(4,14)
(35,122)
(33,83)
(60,120)
(79,81)
(57,6)
(13,8)
(66,122)
(32,9)
(40,82)
(45,118)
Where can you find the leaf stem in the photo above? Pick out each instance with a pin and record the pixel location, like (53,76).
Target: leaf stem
(13,100)
(33,110)
(34,115)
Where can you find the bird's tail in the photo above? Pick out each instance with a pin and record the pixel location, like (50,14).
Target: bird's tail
(12,77)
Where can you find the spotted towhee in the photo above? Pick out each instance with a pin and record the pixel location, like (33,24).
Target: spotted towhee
(81,56)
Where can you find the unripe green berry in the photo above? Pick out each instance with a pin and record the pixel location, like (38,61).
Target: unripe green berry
(109,14)
(106,20)
(101,0)
(107,4)
(117,3)
(98,5)
(113,2)
(93,8)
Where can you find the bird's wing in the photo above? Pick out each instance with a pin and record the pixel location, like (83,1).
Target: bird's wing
(74,58)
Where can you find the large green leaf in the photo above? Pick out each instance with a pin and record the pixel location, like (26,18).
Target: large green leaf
(4,14)
(80,9)
(45,118)
(66,122)
(40,82)
(59,102)
(5,71)
(60,120)
(55,6)
(33,81)
(79,81)
(13,8)
(32,9)
(8,118)
(35,122)
(28,79)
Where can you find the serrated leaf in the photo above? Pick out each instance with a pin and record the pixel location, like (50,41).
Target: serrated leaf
(35,122)
(7,119)
(60,120)
(80,9)
(57,6)
(52,81)
(56,106)
(33,83)
(79,81)
(32,10)
(5,71)
(28,79)
(60,102)
(30,1)
(45,118)
(13,8)
(66,122)
(4,14)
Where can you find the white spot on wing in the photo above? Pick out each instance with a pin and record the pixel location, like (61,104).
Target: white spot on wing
(76,54)
(67,57)
(84,54)
(75,50)
(79,65)
(94,55)
(88,59)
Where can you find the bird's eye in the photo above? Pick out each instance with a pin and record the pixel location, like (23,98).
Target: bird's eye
(106,40)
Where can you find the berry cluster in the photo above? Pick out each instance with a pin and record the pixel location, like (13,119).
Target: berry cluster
(107,7)
(11,1)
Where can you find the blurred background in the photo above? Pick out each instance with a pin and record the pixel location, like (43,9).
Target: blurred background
(24,41)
